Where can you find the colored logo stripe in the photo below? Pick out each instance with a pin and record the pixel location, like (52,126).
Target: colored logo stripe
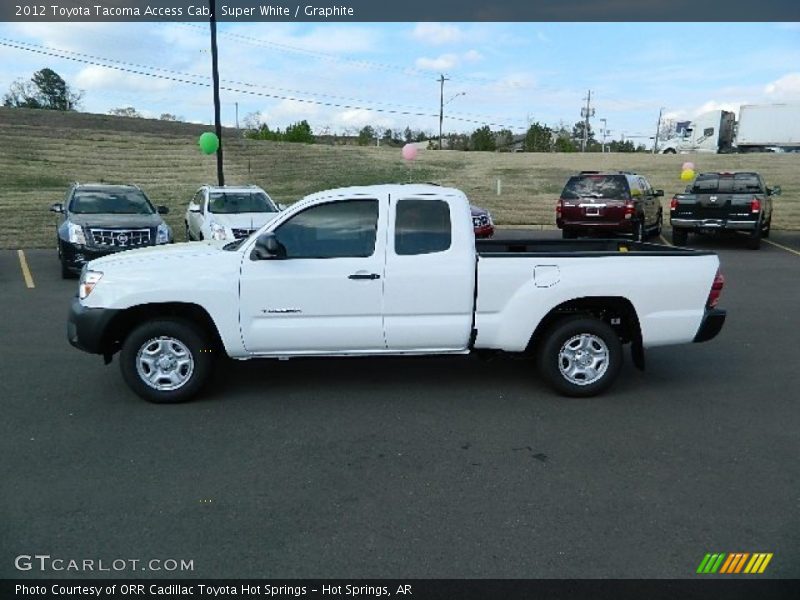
(734,562)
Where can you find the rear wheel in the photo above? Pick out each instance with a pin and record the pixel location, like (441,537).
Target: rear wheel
(754,241)
(166,360)
(669,151)
(659,224)
(679,237)
(765,233)
(638,230)
(580,356)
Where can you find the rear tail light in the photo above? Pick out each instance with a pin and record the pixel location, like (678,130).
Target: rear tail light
(630,209)
(673,204)
(559,206)
(755,205)
(716,290)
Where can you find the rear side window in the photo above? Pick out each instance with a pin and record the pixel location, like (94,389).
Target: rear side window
(597,186)
(727,183)
(422,227)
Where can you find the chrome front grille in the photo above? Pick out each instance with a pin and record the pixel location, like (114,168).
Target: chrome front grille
(120,238)
(242,233)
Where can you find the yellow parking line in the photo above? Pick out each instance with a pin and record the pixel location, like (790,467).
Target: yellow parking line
(782,247)
(26,272)
(663,239)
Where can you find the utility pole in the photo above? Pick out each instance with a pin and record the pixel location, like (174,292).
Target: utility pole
(441,81)
(605,132)
(658,129)
(237,115)
(586,113)
(215,77)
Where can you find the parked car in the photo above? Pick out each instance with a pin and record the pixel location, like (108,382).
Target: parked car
(738,201)
(228,212)
(100,219)
(609,202)
(390,269)
(482,222)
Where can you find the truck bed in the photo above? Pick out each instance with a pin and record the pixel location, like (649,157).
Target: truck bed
(585,248)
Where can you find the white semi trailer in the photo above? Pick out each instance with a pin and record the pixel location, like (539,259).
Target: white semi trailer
(761,128)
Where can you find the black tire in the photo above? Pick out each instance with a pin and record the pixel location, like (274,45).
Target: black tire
(188,235)
(65,272)
(194,342)
(669,151)
(572,330)
(638,230)
(754,240)
(680,237)
(659,224)
(765,233)
(568,234)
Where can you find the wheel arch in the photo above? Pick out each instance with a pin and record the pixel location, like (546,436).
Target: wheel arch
(616,311)
(124,322)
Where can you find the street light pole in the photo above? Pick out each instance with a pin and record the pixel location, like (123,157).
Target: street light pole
(605,131)
(215,79)
(658,129)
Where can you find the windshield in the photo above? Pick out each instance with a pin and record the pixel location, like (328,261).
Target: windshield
(726,183)
(228,203)
(116,202)
(596,186)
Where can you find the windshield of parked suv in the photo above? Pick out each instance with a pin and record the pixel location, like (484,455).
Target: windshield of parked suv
(240,202)
(114,202)
(614,187)
(726,183)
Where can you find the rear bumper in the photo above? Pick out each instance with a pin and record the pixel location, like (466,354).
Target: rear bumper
(86,327)
(711,325)
(711,224)
(625,226)
(484,231)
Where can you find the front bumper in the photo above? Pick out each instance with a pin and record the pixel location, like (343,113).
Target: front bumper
(74,256)
(711,325)
(713,224)
(87,327)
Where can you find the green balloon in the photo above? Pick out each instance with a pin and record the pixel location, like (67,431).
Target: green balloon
(209,142)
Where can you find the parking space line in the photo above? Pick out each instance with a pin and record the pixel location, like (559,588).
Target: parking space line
(26,272)
(782,247)
(663,239)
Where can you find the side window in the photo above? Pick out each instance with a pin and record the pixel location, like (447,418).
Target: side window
(335,230)
(708,132)
(422,227)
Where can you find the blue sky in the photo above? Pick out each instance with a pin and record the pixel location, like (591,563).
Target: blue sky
(501,73)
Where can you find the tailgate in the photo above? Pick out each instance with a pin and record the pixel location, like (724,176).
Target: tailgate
(593,209)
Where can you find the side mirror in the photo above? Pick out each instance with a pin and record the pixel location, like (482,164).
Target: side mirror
(268,248)
(688,189)
(58,207)
(658,192)
(163,210)
(774,191)
(194,208)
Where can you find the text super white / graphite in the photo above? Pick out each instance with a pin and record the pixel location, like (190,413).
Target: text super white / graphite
(264,10)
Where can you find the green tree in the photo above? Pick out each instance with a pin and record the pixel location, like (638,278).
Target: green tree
(366,135)
(126,111)
(564,144)
(538,138)
(299,132)
(577,135)
(504,139)
(408,135)
(482,140)
(46,89)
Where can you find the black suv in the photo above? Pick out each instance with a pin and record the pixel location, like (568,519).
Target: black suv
(99,219)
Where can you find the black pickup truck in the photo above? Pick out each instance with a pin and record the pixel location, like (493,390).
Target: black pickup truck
(724,202)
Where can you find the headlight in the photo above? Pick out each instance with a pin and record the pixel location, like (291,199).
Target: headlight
(218,232)
(89,279)
(162,236)
(75,234)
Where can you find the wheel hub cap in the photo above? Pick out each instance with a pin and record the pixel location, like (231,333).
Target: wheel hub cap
(164,363)
(583,359)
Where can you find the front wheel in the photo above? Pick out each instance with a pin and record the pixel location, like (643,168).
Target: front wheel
(754,241)
(580,356)
(659,224)
(166,360)
(638,230)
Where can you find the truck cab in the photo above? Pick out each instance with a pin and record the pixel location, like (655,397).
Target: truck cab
(711,132)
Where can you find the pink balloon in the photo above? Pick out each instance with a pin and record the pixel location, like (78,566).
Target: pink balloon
(410,152)
(687,166)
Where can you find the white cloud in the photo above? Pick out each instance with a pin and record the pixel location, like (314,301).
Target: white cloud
(94,77)
(357,117)
(288,111)
(441,63)
(473,55)
(437,34)
(785,88)
(732,106)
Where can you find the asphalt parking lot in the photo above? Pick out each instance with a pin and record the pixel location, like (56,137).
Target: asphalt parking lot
(411,468)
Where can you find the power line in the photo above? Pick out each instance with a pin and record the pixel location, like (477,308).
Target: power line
(57,54)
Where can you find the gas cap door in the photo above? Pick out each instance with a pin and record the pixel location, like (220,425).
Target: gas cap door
(545,276)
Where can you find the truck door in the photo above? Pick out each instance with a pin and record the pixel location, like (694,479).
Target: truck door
(325,296)
(430,274)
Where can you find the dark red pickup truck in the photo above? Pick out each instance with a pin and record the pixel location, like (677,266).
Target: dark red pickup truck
(609,202)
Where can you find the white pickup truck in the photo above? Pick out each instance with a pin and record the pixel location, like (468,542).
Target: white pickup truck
(390,269)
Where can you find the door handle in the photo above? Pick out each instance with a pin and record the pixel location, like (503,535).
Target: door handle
(364,276)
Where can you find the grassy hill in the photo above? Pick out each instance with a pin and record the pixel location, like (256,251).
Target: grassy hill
(42,152)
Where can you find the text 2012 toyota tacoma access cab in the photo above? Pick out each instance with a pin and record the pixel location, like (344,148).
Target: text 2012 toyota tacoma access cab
(392,269)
